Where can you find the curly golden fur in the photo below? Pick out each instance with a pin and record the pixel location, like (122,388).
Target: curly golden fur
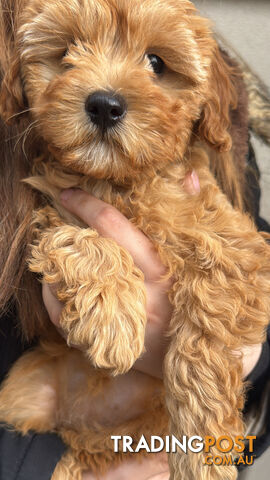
(56,54)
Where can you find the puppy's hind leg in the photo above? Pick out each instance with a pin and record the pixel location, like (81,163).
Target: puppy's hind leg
(30,398)
(29,394)
(101,289)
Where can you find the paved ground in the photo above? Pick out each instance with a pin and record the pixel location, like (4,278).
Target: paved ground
(246,25)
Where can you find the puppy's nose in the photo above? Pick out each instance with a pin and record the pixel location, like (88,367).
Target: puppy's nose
(105,109)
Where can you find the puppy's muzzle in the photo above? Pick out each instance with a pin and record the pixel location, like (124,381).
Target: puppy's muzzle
(105,109)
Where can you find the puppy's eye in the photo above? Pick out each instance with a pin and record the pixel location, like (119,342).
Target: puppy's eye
(66,52)
(156,63)
(65,62)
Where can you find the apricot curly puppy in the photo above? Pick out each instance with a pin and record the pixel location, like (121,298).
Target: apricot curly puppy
(125,97)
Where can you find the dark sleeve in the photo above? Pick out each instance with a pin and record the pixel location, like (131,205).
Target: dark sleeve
(258,393)
(32,456)
(260,373)
(258,401)
(28,457)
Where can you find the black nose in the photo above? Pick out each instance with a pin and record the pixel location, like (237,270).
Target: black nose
(105,109)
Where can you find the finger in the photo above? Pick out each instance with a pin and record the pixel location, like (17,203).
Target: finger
(52,304)
(192,183)
(110,223)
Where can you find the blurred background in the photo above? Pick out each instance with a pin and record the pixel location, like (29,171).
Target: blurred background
(245,24)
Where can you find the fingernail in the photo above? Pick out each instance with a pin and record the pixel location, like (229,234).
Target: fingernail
(65,195)
(195,182)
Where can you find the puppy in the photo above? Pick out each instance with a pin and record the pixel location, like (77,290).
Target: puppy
(123,98)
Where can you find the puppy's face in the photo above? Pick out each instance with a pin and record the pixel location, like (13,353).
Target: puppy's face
(115,86)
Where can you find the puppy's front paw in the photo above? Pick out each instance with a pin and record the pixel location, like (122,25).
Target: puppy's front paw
(107,315)
(117,341)
(102,291)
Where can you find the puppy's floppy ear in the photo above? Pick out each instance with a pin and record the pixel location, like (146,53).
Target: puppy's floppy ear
(214,122)
(11,93)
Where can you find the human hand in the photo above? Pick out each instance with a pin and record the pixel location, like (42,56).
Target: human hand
(109,222)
